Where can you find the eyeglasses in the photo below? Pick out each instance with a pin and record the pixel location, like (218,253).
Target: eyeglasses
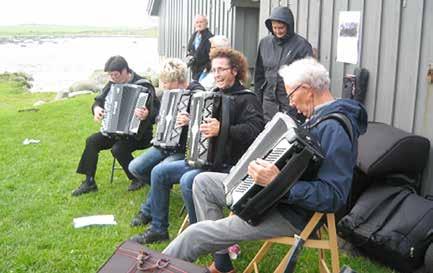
(290,94)
(219,69)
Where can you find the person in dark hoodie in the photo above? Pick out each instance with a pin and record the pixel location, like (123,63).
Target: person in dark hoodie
(121,146)
(281,47)
(230,68)
(199,47)
(307,88)
(172,75)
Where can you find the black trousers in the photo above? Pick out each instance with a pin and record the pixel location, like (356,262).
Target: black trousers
(121,148)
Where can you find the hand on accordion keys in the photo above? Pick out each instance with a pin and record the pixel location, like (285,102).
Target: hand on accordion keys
(262,172)
(182,119)
(210,128)
(141,113)
(98,113)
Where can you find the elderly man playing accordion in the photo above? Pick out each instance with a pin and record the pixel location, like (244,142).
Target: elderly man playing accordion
(230,69)
(307,86)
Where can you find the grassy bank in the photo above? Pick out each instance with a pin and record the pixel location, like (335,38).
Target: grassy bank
(60,31)
(36,208)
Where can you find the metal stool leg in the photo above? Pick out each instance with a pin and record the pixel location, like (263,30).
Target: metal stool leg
(113,167)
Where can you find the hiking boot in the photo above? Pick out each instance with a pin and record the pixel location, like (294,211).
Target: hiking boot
(140,219)
(135,185)
(150,236)
(85,187)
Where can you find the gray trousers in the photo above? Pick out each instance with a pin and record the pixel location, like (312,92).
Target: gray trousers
(215,233)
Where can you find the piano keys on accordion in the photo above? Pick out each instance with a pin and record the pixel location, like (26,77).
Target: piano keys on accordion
(208,152)
(291,149)
(173,102)
(119,107)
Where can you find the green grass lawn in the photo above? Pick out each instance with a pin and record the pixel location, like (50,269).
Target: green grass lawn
(36,208)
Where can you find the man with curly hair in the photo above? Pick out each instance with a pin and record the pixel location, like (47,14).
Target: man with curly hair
(230,69)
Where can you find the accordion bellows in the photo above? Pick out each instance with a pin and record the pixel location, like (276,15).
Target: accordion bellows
(208,152)
(120,104)
(173,102)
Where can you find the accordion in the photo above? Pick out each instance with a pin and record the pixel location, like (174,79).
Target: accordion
(291,149)
(120,104)
(173,102)
(207,152)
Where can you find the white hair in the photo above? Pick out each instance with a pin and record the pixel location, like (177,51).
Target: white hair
(201,16)
(307,71)
(219,41)
(173,70)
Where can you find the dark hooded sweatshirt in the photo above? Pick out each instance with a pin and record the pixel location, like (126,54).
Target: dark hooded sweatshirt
(144,134)
(330,191)
(274,52)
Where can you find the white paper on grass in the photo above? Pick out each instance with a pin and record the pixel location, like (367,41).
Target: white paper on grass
(94,220)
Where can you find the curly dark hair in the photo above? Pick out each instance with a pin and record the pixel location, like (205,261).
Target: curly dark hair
(237,61)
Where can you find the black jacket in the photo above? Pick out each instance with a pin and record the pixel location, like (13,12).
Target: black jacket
(274,52)
(145,130)
(201,55)
(246,122)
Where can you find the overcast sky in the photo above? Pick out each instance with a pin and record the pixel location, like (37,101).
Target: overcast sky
(76,12)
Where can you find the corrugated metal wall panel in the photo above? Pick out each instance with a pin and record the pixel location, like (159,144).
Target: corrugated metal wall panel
(396,47)
(407,76)
(370,55)
(388,62)
(325,49)
(314,19)
(423,115)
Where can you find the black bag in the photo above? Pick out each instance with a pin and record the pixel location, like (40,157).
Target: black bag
(391,224)
(386,151)
(131,257)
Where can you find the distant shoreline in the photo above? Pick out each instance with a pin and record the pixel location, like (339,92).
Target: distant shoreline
(11,33)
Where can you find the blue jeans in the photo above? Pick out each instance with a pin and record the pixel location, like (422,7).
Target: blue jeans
(163,177)
(141,166)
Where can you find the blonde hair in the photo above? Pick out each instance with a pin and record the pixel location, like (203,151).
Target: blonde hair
(173,70)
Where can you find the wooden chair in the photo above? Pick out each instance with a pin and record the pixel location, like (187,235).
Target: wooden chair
(322,245)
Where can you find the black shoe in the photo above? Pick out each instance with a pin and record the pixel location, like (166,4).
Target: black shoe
(135,185)
(150,236)
(140,219)
(85,187)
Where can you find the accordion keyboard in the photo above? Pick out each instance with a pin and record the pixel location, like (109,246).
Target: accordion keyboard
(278,153)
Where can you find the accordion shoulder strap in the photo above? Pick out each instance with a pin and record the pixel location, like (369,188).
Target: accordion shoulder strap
(341,118)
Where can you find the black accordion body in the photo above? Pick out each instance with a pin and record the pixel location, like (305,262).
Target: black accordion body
(291,149)
(203,152)
(173,102)
(120,104)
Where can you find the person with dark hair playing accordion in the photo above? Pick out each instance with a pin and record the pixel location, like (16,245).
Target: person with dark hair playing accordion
(246,121)
(172,75)
(307,87)
(121,146)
